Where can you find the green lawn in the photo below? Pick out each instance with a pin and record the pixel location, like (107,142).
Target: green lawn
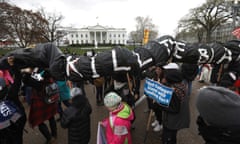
(71,50)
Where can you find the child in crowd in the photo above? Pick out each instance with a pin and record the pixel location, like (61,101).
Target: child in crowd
(118,124)
(77,118)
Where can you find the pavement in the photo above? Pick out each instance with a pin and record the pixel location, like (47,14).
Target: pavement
(139,134)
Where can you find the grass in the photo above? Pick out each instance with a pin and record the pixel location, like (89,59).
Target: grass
(71,50)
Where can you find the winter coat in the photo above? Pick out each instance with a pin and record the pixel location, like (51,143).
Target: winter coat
(14,133)
(118,125)
(77,119)
(179,116)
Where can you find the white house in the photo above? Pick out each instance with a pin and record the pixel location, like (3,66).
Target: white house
(95,34)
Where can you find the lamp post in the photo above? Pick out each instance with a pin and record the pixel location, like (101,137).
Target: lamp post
(235,7)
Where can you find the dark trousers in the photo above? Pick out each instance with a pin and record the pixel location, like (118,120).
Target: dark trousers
(99,94)
(169,136)
(45,131)
(60,109)
(14,133)
(158,112)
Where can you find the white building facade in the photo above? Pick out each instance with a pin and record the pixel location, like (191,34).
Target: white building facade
(95,34)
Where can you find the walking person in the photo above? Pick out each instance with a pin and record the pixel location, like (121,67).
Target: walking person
(99,84)
(118,124)
(40,111)
(76,118)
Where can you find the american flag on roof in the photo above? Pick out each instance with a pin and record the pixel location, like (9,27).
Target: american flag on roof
(236,32)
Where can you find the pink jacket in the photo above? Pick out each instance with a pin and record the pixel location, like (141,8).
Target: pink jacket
(118,125)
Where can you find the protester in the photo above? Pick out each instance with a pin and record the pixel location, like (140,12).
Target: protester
(219,107)
(12,128)
(177,115)
(205,73)
(99,84)
(118,124)
(64,91)
(157,76)
(76,118)
(40,111)
(123,85)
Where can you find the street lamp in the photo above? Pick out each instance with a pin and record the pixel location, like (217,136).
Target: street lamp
(235,6)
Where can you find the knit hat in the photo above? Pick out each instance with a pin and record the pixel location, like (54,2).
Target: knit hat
(75,92)
(112,99)
(2,83)
(219,106)
(228,79)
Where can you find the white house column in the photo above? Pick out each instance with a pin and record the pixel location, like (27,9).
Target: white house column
(95,36)
(107,37)
(89,38)
(101,37)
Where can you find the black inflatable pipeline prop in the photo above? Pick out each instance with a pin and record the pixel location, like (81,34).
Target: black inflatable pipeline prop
(121,60)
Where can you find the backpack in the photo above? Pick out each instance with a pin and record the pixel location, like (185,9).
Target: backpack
(52,94)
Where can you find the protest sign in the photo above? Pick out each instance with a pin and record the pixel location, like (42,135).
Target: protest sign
(158,92)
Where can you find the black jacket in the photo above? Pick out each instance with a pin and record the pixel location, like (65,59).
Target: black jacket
(77,119)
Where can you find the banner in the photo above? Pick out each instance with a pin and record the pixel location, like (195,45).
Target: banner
(158,92)
(8,114)
(101,139)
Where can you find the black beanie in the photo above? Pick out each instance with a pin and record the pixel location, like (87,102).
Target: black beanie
(173,76)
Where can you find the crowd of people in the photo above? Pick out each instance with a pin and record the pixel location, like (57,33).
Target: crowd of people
(218,104)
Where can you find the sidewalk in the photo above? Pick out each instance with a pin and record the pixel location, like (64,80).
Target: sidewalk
(185,136)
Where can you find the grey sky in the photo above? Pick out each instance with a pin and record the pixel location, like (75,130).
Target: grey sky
(116,13)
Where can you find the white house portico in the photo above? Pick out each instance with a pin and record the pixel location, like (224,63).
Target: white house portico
(98,33)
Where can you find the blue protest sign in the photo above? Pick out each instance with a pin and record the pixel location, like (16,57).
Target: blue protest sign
(158,92)
(8,114)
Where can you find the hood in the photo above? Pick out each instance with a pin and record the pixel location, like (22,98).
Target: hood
(219,106)
(124,111)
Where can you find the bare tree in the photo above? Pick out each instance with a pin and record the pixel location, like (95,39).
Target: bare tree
(143,23)
(207,17)
(21,26)
(50,31)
